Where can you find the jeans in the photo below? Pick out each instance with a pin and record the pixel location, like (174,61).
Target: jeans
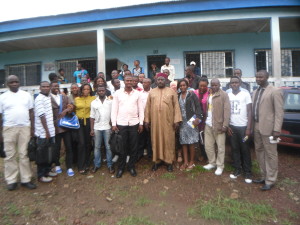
(240,150)
(43,169)
(99,135)
(130,142)
(66,136)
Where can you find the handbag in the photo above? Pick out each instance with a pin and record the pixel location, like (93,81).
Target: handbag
(68,121)
(116,143)
(45,151)
(32,147)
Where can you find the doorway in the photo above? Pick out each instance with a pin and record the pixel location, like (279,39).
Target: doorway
(159,60)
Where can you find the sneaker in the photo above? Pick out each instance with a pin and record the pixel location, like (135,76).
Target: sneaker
(52,174)
(115,159)
(145,152)
(219,171)
(235,174)
(248,178)
(208,166)
(58,169)
(45,179)
(127,159)
(70,172)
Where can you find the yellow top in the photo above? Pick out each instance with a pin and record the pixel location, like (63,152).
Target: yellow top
(83,107)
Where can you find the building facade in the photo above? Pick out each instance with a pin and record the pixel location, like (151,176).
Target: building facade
(218,35)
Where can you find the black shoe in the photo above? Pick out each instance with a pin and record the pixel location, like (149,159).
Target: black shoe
(94,170)
(170,168)
(111,169)
(29,185)
(259,181)
(267,187)
(132,172)
(119,174)
(156,166)
(12,186)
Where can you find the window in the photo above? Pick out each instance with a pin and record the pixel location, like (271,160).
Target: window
(290,61)
(292,102)
(212,63)
(29,73)
(70,66)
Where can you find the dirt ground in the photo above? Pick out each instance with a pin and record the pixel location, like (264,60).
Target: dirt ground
(151,197)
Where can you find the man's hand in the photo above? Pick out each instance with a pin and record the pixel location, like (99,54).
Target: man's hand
(115,128)
(47,135)
(224,129)
(31,132)
(276,135)
(92,133)
(147,126)
(196,122)
(248,132)
(176,126)
(140,129)
(229,131)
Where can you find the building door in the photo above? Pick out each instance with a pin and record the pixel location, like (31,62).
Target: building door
(296,63)
(159,60)
(2,78)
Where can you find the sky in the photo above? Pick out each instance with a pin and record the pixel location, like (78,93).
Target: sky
(20,9)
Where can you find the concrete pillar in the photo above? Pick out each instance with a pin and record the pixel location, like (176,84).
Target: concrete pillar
(276,50)
(101,51)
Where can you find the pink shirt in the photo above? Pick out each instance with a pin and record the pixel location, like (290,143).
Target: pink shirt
(127,109)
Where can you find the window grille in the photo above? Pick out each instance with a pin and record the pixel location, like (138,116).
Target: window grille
(290,61)
(29,74)
(212,63)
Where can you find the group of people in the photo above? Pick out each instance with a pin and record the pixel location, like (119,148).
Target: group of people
(161,118)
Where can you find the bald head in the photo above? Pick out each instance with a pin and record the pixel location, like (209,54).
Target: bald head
(262,77)
(215,85)
(13,83)
(146,84)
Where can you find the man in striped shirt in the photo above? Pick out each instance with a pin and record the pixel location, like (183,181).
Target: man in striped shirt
(44,128)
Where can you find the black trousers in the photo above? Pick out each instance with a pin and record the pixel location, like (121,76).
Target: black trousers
(240,150)
(84,145)
(130,142)
(66,136)
(144,142)
(43,169)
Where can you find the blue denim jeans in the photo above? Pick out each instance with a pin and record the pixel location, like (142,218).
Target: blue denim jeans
(99,136)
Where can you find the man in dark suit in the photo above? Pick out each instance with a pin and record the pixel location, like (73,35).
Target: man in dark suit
(268,116)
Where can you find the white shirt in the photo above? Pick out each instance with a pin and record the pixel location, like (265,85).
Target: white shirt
(230,90)
(209,111)
(239,104)
(101,113)
(43,107)
(15,108)
(56,98)
(171,69)
(144,96)
(111,87)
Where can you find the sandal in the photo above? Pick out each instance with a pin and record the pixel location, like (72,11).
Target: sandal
(189,168)
(183,167)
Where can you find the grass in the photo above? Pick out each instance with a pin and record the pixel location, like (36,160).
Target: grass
(162,204)
(163,193)
(255,167)
(142,201)
(228,167)
(197,170)
(134,220)
(13,210)
(292,214)
(168,176)
(288,182)
(233,211)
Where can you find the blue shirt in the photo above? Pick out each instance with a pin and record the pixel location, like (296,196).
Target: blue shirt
(137,72)
(83,73)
